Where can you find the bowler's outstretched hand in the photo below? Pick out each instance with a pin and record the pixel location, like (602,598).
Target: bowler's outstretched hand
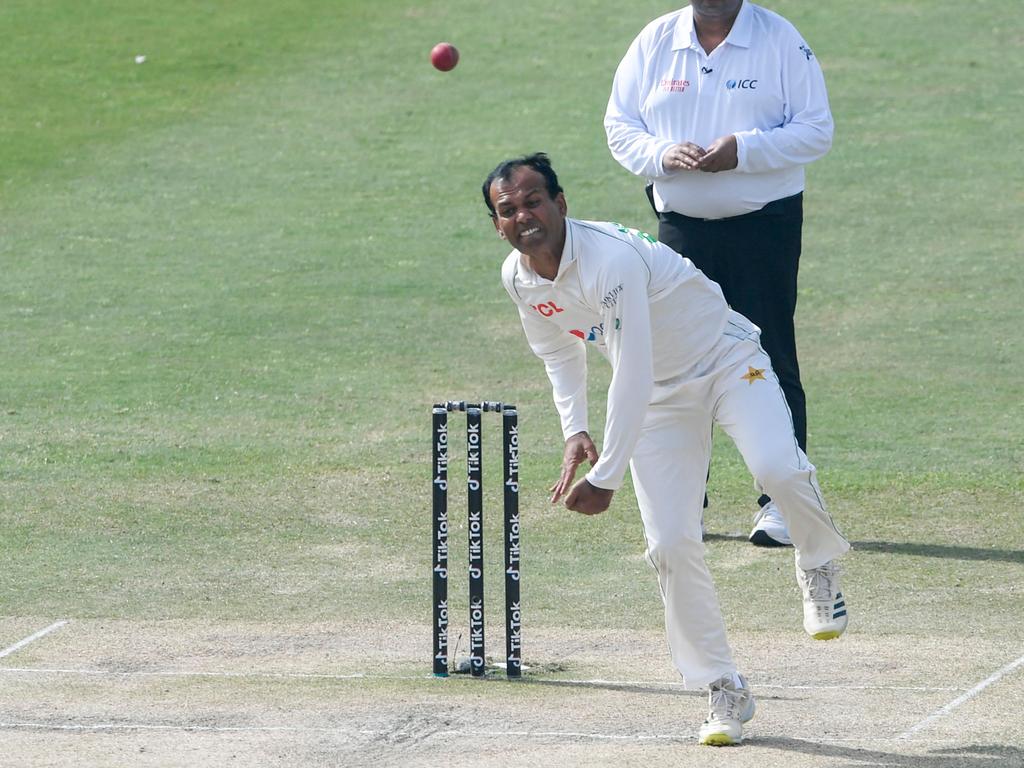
(578,448)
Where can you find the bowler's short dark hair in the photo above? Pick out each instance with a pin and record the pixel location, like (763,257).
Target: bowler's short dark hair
(538,161)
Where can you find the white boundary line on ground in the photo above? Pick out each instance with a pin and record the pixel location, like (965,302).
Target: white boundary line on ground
(32,638)
(995,677)
(363,676)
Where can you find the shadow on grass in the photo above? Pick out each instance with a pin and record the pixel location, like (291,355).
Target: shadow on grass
(725,537)
(668,689)
(910,548)
(939,550)
(974,756)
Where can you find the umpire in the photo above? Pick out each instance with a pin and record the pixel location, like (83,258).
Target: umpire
(720,105)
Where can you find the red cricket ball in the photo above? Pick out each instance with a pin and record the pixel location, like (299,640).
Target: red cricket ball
(444,56)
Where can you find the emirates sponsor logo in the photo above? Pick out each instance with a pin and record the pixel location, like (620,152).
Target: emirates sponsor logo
(673,86)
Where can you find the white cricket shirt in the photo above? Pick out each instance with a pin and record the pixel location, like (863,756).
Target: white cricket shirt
(649,311)
(763,84)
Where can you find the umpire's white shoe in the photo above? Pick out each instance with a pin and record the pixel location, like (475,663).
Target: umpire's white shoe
(730,706)
(824,607)
(769,528)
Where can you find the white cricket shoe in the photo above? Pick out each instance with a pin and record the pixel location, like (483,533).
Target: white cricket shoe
(824,607)
(769,528)
(729,708)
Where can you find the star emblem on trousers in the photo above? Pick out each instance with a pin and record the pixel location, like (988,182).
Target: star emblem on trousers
(752,374)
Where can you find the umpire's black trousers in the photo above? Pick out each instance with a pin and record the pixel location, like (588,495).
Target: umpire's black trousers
(754,257)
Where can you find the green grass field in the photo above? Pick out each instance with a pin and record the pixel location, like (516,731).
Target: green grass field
(236,275)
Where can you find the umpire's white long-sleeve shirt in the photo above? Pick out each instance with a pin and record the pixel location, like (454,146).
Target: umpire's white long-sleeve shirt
(651,313)
(763,84)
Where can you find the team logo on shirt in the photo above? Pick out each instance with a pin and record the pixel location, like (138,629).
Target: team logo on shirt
(807,52)
(753,374)
(745,85)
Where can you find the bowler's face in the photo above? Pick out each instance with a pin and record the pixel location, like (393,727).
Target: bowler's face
(525,214)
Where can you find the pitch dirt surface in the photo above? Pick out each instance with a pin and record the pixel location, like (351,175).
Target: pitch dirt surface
(103,693)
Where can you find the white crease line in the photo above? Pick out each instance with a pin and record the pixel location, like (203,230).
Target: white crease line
(339,731)
(160,727)
(176,673)
(755,685)
(31,638)
(995,677)
(581,735)
(377,733)
(567,735)
(363,676)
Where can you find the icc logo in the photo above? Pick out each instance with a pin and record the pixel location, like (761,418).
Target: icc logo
(747,85)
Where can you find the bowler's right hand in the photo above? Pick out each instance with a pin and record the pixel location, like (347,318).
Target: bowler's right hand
(578,448)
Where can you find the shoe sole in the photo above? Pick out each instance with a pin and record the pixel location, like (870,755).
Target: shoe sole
(719,740)
(831,634)
(762,539)
(724,739)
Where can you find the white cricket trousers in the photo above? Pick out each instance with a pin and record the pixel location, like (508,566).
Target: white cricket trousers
(735,388)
